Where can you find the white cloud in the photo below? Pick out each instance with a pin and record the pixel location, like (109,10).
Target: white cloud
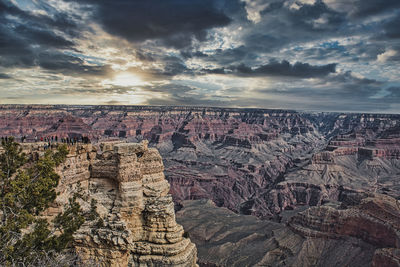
(253,9)
(384,57)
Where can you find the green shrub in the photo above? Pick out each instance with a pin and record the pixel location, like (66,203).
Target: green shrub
(26,190)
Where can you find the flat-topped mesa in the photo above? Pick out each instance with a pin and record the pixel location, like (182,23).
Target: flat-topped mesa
(137,225)
(329,155)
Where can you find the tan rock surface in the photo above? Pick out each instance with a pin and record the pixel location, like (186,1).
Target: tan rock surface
(138,219)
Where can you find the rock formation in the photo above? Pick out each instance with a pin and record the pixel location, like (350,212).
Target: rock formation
(373,218)
(361,230)
(366,158)
(135,218)
(274,164)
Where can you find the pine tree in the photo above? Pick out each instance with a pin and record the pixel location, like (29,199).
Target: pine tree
(27,188)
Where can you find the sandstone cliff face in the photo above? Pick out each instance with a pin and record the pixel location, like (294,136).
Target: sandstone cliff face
(138,226)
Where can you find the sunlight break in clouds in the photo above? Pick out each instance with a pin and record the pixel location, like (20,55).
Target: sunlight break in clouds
(125,79)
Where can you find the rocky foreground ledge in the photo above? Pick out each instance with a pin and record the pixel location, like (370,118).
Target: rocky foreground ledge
(135,219)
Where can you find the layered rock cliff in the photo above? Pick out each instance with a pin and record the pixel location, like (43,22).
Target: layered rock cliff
(134,222)
(360,230)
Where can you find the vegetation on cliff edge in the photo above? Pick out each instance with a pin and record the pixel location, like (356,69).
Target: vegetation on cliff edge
(27,188)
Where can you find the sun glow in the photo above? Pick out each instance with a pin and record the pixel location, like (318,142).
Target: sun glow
(125,79)
(135,97)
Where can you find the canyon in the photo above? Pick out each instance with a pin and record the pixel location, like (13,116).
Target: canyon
(361,230)
(275,171)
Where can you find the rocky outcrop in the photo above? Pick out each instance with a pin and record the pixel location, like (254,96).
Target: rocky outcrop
(360,230)
(386,257)
(134,222)
(373,218)
(376,220)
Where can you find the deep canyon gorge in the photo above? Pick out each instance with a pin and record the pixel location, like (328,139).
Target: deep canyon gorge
(252,186)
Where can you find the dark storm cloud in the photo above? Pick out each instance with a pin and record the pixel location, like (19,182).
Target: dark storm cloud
(232,55)
(275,68)
(335,87)
(30,40)
(305,17)
(41,37)
(363,8)
(392,27)
(14,49)
(5,76)
(69,65)
(14,52)
(346,85)
(145,56)
(175,22)
(173,66)
(216,71)
(284,68)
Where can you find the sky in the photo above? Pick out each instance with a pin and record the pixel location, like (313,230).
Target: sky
(313,55)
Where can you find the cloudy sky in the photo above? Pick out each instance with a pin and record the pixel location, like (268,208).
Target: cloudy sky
(322,55)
